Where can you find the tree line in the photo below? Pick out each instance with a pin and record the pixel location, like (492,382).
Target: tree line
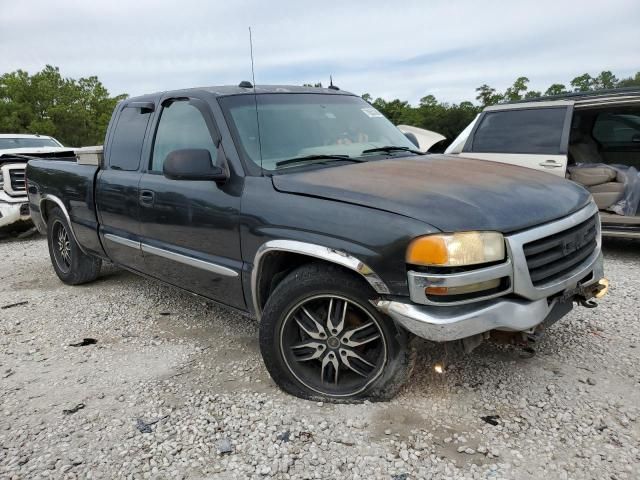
(77,111)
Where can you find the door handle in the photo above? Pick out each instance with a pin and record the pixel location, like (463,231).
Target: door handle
(146,197)
(550,164)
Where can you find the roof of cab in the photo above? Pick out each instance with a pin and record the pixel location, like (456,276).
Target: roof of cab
(227,90)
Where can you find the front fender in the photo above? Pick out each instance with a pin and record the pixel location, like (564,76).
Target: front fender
(360,238)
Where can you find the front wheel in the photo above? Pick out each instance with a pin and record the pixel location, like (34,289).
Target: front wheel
(322,339)
(71,264)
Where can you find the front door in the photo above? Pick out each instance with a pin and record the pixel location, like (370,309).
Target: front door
(190,228)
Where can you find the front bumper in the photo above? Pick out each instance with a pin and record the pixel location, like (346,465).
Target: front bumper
(442,324)
(521,307)
(13,210)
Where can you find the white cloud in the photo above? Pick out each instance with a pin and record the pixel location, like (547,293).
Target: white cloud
(407,50)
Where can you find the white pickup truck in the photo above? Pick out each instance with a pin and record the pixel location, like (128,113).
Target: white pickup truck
(592,138)
(15,150)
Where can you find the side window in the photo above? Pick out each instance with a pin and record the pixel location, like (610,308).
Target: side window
(181,126)
(531,130)
(128,137)
(616,129)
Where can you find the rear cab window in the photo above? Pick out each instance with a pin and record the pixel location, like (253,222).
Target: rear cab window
(526,131)
(126,147)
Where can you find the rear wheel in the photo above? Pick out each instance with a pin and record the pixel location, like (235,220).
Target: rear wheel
(322,339)
(70,263)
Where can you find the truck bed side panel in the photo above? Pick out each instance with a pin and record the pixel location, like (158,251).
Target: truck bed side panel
(73,184)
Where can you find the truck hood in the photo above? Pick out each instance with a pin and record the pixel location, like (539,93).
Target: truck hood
(35,150)
(449,193)
(15,155)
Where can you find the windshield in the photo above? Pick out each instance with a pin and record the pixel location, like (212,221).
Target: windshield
(19,142)
(308,125)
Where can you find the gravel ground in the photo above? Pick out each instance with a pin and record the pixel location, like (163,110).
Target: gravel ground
(175,388)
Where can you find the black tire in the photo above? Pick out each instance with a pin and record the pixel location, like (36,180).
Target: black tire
(71,264)
(314,285)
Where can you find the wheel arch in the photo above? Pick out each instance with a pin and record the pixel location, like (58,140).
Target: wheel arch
(275,258)
(47,204)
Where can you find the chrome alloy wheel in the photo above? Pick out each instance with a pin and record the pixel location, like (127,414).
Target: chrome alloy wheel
(333,345)
(61,246)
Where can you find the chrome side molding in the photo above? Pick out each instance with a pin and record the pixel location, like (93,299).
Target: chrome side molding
(186,260)
(312,250)
(176,257)
(123,241)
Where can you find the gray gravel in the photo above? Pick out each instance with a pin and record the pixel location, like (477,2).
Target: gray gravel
(175,388)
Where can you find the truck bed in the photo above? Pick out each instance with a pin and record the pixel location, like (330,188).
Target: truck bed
(66,182)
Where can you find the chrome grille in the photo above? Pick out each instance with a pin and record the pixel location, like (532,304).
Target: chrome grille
(16,177)
(553,257)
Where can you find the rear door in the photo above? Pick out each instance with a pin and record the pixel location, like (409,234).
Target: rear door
(535,137)
(190,228)
(117,185)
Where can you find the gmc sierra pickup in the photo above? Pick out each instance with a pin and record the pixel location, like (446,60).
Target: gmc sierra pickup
(309,210)
(15,150)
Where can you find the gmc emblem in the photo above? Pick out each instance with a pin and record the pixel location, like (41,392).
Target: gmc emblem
(576,242)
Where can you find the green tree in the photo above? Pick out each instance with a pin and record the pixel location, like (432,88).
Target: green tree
(428,101)
(630,81)
(556,89)
(487,95)
(533,94)
(606,79)
(517,90)
(583,83)
(76,112)
(398,111)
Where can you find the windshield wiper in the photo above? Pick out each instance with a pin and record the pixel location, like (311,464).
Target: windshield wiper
(392,148)
(317,157)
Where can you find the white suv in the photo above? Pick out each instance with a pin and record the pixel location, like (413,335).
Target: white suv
(576,135)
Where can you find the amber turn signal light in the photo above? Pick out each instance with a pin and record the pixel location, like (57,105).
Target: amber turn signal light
(456,249)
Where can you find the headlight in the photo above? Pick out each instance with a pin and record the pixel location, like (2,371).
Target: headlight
(456,249)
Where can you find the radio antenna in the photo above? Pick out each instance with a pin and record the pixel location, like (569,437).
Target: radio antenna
(255,100)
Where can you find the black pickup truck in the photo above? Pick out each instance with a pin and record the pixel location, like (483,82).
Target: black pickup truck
(306,208)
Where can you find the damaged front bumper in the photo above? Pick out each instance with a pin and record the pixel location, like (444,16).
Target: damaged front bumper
(13,210)
(443,324)
(569,252)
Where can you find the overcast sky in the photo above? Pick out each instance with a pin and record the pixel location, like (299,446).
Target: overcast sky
(391,49)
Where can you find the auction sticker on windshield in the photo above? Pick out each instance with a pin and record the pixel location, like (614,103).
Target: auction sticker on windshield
(371,112)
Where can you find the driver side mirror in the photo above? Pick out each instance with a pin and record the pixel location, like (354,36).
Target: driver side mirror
(192,164)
